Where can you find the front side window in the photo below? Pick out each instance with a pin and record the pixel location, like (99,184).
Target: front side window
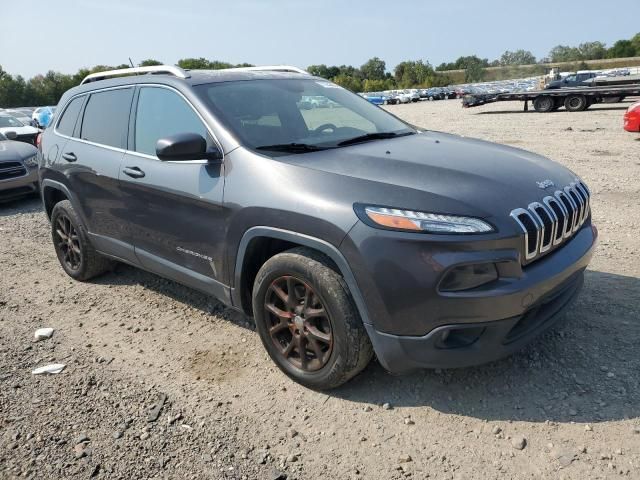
(162,113)
(297,115)
(67,122)
(106,117)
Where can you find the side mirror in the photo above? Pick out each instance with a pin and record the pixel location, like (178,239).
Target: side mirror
(11,135)
(186,146)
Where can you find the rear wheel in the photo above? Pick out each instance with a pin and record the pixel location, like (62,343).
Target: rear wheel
(576,103)
(544,104)
(76,254)
(307,320)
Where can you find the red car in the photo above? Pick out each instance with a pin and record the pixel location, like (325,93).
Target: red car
(632,118)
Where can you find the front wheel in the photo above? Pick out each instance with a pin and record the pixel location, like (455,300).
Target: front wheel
(307,320)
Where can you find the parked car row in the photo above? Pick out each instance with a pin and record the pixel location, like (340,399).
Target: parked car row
(38,117)
(393,97)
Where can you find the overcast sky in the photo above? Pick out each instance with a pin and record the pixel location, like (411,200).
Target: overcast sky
(64,35)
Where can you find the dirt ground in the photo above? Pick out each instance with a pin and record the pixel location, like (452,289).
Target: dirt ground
(130,337)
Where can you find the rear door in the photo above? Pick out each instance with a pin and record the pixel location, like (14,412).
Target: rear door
(174,209)
(93,160)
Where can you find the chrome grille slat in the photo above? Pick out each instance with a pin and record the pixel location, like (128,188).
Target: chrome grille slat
(549,223)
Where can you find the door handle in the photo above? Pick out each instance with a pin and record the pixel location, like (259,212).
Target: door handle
(69,156)
(133,172)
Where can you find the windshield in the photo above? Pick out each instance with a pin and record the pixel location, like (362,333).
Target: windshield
(6,121)
(297,115)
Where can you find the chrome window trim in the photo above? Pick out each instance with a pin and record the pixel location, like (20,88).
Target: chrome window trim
(515,214)
(133,152)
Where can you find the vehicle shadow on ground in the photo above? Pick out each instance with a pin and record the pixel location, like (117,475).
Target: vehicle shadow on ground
(586,369)
(27,204)
(127,275)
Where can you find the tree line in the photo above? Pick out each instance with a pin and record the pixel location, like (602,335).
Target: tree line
(47,89)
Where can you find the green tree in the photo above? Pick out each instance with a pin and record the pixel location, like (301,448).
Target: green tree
(564,53)
(349,82)
(519,57)
(374,69)
(150,62)
(592,51)
(194,63)
(622,49)
(474,72)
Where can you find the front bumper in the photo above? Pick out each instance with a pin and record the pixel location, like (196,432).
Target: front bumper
(465,345)
(19,186)
(413,325)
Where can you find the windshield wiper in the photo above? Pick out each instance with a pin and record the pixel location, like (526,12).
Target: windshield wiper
(372,136)
(292,147)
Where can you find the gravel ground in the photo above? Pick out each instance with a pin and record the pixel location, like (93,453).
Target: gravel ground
(137,346)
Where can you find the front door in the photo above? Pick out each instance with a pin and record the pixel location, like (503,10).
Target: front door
(176,219)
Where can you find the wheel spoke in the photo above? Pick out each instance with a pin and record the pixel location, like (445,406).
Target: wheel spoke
(281,294)
(314,313)
(282,325)
(277,312)
(61,234)
(302,350)
(313,332)
(291,293)
(317,349)
(287,350)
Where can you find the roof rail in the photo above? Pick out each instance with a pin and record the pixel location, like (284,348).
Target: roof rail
(270,68)
(167,69)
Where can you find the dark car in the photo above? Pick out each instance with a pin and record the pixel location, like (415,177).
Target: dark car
(341,231)
(575,80)
(18,168)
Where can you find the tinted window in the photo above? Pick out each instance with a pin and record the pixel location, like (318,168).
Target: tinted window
(67,123)
(162,113)
(106,117)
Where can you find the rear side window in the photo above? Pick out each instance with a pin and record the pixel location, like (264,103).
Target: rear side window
(67,122)
(162,113)
(106,117)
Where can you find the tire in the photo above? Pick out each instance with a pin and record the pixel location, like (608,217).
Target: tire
(576,103)
(285,324)
(544,104)
(80,261)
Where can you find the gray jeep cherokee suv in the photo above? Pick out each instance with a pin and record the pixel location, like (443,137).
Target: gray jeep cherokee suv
(342,231)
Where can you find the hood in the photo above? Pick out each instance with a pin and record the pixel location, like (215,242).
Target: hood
(12,151)
(476,176)
(25,130)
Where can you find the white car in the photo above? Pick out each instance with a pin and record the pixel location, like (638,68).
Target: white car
(24,133)
(20,115)
(43,115)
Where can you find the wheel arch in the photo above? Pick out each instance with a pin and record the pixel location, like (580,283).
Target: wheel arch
(54,192)
(253,239)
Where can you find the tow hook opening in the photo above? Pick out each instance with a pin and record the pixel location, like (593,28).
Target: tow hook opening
(459,337)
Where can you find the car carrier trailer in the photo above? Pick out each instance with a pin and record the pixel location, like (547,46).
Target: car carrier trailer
(573,99)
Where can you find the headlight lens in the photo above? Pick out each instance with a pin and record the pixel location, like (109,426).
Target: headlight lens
(425,222)
(31,161)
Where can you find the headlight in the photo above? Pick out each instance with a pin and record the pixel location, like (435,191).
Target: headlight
(425,222)
(31,161)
